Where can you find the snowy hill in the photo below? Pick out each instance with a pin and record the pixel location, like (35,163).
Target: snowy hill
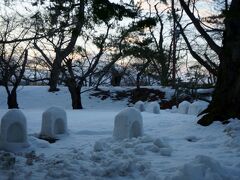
(173,146)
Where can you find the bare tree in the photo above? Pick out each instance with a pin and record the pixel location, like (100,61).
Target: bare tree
(225,103)
(13,57)
(76,71)
(64,22)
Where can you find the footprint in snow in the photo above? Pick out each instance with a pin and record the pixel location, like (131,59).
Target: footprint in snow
(192,138)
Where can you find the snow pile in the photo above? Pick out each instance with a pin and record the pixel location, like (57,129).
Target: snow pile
(153,107)
(128,123)
(126,158)
(38,143)
(109,159)
(174,109)
(13,131)
(183,107)
(186,107)
(197,107)
(140,106)
(233,130)
(205,91)
(54,123)
(204,167)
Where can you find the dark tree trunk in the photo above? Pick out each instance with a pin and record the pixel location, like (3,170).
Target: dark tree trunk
(138,80)
(225,103)
(164,78)
(12,100)
(141,73)
(75,92)
(54,76)
(116,79)
(63,53)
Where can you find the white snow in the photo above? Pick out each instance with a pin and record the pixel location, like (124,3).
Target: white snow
(13,135)
(54,123)
(172,147)
(186,107)
(204,167)
(140,106)
(128,123)
(204,91)
(153,107)
(174,109)
(197,107)
(183,107)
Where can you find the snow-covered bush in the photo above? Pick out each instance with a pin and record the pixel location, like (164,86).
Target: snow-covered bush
(128,123)
(140,106)
(153,107)
(13,131)
(54,123)
(183,107)
(196,107)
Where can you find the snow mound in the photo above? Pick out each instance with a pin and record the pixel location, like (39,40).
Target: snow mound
(153,107)
(54,123)
(128,123)
(186,107)
(13,131)
(183,107)
(204,167)
(126,158)
(233,130)
(197,107)
(174,109)
(140,106)
(38,143)
(108,159)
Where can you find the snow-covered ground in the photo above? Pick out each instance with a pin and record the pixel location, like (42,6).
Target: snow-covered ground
(174,146)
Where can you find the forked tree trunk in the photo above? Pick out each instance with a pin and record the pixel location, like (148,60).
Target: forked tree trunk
(225,103)
(12,100)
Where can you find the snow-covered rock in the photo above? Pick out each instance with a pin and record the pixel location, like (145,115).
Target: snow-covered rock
(128,123)
(153,107)
(140,106)
(13,131)
(54,123)
(196,107)
(183,107)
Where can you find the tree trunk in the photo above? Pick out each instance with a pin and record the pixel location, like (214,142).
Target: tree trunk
(54,76)
(225,103)
(116,79)
(164,75)
(12,100)
(138,80)
(174,48)
(75,92)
